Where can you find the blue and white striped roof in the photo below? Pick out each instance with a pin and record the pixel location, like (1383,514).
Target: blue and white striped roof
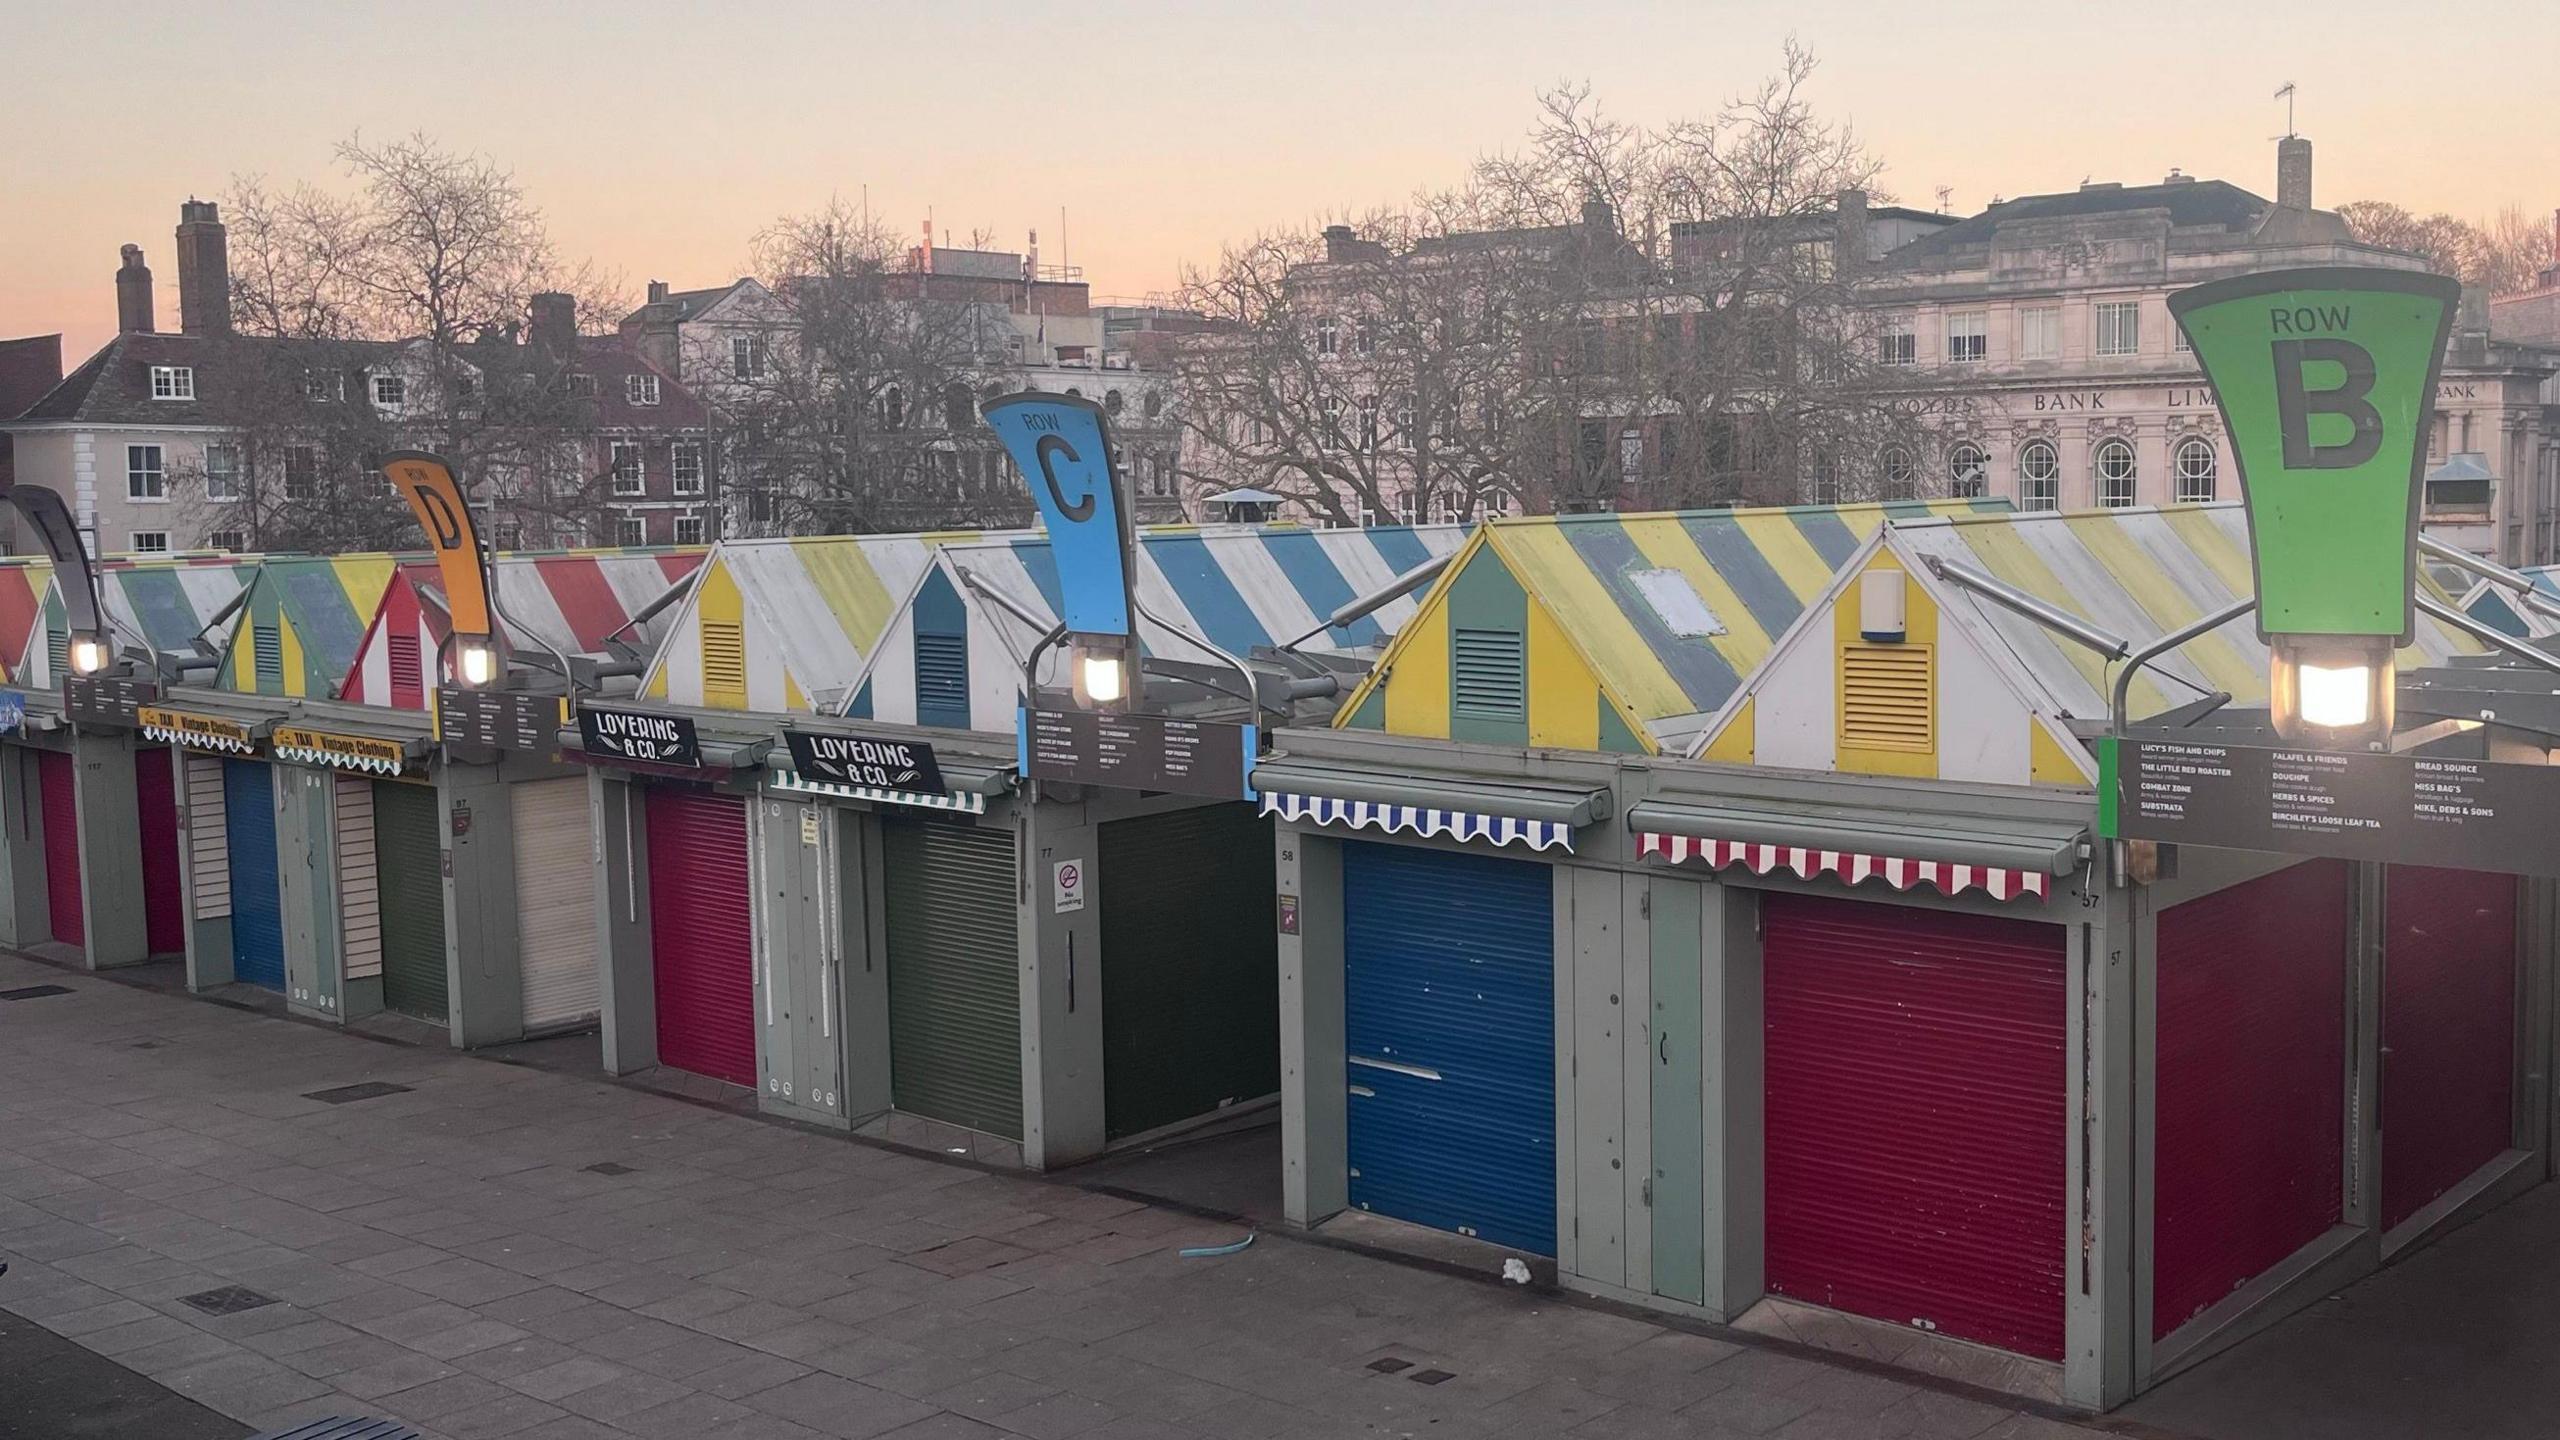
(1240,586)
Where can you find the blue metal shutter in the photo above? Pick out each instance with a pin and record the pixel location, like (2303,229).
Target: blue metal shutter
(257,908)
(1449,988)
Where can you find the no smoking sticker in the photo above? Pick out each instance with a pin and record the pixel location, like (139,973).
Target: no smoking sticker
(1066,887)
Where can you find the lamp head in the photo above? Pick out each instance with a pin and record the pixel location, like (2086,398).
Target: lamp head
(2331,691)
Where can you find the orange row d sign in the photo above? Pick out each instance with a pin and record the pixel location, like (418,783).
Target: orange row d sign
(435,496)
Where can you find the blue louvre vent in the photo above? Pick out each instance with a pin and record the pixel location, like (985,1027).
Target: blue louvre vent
(942,680)
(1449,983)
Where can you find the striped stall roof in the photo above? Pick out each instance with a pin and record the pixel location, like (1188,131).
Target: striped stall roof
(1629,630)
(565,600)
(1242,587)
(772,625)
(303,620)
(2137,573)
(163,604)
(2496,605)
(24,584)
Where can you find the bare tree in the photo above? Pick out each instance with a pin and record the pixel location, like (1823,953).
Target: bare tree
(2505,255)
(854,408)
(1612,315)
(396,314)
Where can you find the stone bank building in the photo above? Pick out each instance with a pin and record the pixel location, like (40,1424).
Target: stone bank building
(2042,328)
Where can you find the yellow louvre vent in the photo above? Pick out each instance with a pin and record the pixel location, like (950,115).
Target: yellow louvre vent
(1885,698)
(724,664)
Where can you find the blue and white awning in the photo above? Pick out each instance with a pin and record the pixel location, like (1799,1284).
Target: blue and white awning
(1419,820)
(962,802)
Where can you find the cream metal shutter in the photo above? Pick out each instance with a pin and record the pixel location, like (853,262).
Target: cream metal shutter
(359,897)
(556,903)
(208,838)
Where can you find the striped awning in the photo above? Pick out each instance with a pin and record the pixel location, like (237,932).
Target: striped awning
(962,802)
(1947,876)
(1420,820)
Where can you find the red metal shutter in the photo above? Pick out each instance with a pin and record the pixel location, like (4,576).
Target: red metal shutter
(2251,1077)
(58,780)
(2448,1030)
(164,911)
(1916,1117)
(701,937)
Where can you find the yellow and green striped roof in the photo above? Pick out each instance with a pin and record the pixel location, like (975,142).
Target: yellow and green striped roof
(1603,602)
(302,623)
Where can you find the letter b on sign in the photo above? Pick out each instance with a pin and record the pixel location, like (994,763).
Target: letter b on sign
(2297,402)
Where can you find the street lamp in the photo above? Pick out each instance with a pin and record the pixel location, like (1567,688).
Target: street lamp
(2331,691)
(1099,665)
(89,655)
(475,661)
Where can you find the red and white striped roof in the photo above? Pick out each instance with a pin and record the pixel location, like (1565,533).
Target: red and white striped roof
(565,600)
(1855,868)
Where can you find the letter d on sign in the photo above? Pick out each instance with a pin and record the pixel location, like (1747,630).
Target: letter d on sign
(427,482)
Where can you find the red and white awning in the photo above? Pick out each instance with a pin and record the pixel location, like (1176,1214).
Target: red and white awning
(1853,867)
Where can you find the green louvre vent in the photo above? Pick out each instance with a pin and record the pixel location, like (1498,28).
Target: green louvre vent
(1490,675)
(267,653)
(57,652)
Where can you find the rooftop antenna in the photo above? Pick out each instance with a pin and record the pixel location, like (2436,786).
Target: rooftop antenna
(2285,94)
(1946,194)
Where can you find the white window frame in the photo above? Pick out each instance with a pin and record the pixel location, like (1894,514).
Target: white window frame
(311,481)
(1901,485)
(630,530)
(1973,329)
(235,474)
(2117,484)
(318,385)
(2039,332)
(2039,492)
(635,481)
(1898,345)
(146,481)
(1968,471)
(746,357)
(173,382)
(228,539)
(2197,483)
(1328,336)
(1631,454)
(679,452)
(150,542)
(640,388)
(390,392)
(2115,327)
(699,525)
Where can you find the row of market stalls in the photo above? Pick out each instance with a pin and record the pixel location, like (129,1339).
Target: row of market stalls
(1713,902)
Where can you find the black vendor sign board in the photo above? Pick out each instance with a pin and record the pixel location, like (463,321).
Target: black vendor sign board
(1139,752)
(644,737)
(2349,805)
(515,720)
(864,762)
(108,699)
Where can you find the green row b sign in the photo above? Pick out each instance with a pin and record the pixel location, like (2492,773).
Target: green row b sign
(2327,380)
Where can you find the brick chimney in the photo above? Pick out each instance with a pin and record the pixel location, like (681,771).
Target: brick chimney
(555,323)
(2293,173)
(654,328)
(204,270)
(1849,234)
(1340,242)
(133,294)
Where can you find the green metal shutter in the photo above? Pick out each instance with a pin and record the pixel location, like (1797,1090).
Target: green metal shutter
(411,877)
(955,1008)
(1190,966)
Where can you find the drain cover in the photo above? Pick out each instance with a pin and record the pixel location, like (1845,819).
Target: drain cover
(229,1300)
(1430,1377)
(34,992)
(610,1167)
(1390,1365)
(344,1093)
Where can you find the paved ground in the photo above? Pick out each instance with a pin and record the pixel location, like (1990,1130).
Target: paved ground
(2454,1343)
(502,1251)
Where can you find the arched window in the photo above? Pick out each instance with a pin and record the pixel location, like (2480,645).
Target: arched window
(2198,472)
(2039,476)
(1155,403)
(958,406)
(1111,402)
(1076,391)
(2115,465)
(1368,422)
(1968,471)
(1899,473)
(893,408)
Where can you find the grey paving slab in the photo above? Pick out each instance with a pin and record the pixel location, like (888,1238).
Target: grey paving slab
(442,1256)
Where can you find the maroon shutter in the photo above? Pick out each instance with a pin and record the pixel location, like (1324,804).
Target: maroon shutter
(2251,1083)
(700,933)
(164,914)
(1916,1117)
(2448,1030)
(58,780)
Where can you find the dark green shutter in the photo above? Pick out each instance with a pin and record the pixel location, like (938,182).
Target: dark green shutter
(955,1008)
(411,877)
(1190,966)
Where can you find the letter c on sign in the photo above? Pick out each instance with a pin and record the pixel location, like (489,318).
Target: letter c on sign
(1051,445)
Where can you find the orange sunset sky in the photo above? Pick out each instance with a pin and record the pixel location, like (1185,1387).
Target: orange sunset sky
(658,137)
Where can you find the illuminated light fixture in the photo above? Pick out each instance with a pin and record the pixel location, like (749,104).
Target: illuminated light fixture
(2331,690)
(1100,666)
(88,655)
(475,661)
